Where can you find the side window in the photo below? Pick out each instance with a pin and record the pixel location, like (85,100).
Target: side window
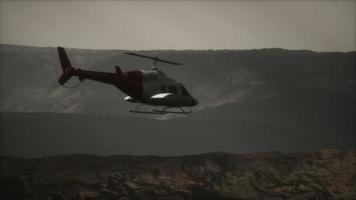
(184,91)
(172,89)
(163,89)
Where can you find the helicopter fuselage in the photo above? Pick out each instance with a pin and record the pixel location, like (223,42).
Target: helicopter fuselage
(155,88)
(151,87)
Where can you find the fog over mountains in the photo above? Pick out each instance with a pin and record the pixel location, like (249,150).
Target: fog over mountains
(250,100)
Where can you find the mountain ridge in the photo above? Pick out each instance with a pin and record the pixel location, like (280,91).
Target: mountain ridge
(212,77)
(325,174)
(180,50)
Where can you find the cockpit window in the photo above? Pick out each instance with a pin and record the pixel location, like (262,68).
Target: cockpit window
(184,91)
(172,89)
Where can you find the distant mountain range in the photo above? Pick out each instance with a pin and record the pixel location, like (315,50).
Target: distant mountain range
(29,76)
(250,100)
(327,174)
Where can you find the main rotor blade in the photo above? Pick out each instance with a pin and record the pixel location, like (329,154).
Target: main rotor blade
(154,58)
(139,55)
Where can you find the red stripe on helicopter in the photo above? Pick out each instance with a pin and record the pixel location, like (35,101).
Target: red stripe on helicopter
(131,82)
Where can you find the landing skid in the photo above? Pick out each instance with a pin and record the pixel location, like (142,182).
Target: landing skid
(162,111)
(165,111)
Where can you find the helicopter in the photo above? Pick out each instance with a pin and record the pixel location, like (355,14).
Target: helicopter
(145,87)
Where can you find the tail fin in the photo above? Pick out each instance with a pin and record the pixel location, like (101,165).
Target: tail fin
(118,70)
(68,70)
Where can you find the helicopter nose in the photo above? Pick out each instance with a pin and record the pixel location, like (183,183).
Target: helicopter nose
(194,102)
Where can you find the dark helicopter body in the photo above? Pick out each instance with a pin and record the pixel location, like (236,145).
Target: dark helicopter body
(158,89)
(150,87)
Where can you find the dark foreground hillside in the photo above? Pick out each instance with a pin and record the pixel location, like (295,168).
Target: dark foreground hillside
(328,174)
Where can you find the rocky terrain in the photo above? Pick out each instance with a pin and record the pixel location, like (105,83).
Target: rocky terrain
(327,174)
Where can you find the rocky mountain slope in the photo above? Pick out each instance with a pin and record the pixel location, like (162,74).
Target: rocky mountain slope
(328,174)
(30,74)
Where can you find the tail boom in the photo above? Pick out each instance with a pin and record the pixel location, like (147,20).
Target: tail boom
(128,82)
(69,71)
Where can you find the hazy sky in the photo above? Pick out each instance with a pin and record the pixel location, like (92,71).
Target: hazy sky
(316,25)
